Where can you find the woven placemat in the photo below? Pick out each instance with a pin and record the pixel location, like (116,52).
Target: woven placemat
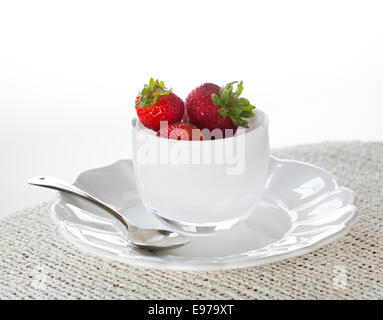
(38,263)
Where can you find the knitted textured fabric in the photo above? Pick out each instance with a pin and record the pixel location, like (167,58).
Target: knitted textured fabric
(37,263)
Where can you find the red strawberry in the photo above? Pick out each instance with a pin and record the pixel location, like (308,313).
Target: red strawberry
(212,107)
(180,131)
(155,104)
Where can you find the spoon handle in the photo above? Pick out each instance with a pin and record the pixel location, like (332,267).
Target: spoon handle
(57,184)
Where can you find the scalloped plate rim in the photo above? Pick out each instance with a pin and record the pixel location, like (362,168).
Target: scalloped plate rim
(242,261)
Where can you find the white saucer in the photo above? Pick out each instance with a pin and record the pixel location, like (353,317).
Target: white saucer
(302,209)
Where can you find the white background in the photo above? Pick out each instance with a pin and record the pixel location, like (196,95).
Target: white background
(70,70)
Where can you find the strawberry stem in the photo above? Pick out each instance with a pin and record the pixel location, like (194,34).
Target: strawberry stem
(151,92)
(232,105)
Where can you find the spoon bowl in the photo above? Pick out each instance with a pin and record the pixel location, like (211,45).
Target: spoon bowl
(155,239)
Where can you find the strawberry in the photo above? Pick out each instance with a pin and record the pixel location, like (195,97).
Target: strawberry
(155,103)
(180,131)
(211,107)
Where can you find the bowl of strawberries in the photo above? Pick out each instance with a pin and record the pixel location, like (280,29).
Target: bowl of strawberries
(201,164)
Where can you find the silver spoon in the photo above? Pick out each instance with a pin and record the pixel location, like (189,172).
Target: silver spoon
(151,239)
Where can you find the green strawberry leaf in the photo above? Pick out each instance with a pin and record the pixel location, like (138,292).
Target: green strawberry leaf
(239,89)
(239,122)
(232,105)
(234,112)
(223,112)
(151,92)
(243,102)
(156,97)
(248,108)
(230,85)
(215,99)
(152,84)
(224,99)
(247,114)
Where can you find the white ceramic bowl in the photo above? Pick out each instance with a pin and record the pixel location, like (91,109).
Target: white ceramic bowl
(202,187)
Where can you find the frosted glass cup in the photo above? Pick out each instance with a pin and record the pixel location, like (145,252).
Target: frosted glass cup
(202,187)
